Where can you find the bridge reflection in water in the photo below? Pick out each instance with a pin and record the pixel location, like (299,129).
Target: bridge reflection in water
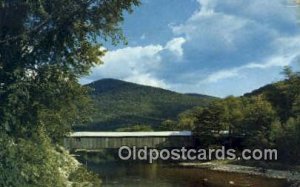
(114,140)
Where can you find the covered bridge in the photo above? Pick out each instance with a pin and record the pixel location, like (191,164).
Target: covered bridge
(113,140)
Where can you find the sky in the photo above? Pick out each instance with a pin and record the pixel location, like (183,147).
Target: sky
(212,47)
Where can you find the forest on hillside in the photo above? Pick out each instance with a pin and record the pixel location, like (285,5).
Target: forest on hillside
(121,104)
(266,118)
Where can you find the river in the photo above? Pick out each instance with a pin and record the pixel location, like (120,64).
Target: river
(121,174)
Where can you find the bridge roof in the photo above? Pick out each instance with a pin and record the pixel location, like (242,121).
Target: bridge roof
(131,134)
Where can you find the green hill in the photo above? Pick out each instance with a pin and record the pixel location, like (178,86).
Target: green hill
(281,95)
(122,104)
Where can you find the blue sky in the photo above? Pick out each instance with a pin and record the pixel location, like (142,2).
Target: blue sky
(214,47)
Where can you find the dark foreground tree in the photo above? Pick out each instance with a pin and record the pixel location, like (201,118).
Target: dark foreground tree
(45,46)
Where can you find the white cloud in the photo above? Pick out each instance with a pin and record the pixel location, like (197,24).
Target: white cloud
(287,53)
(208,31)
(127,63)
(147,79)
(234,41)
(225,46)
(220,75)
(122,62)
(175,46)
(136,64)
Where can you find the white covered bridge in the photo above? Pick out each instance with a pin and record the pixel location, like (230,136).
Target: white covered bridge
(113,140)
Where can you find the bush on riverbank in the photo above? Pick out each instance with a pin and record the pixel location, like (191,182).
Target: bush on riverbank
(37,162)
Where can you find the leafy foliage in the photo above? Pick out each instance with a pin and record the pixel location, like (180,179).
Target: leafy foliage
(168,125)
(45,46)
(283,95)
(258,120)
(266,118)
(36,162)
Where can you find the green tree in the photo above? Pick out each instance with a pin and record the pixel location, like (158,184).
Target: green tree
(45,46)
(284,94)
(258,120)
(211,120)
(168,125)
(286,138)
(293,91)
(187,119)
(234,114)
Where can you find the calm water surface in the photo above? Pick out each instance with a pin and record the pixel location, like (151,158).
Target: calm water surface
(120,174)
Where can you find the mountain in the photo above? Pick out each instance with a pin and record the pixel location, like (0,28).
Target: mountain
(122,104)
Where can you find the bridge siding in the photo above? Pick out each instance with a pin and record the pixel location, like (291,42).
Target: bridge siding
(95,143)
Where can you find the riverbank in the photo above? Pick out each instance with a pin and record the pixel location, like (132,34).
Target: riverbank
(290,176)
